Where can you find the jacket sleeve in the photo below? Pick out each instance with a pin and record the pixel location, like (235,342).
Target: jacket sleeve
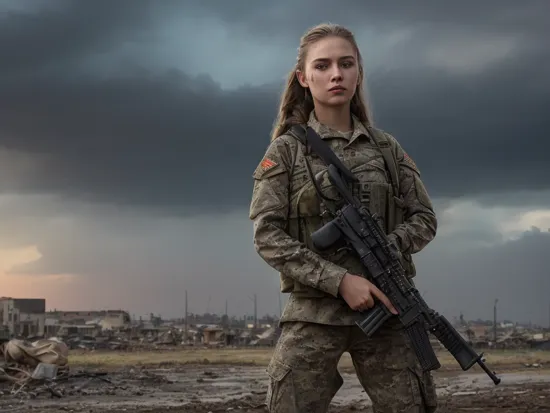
(420,223)
(269,211)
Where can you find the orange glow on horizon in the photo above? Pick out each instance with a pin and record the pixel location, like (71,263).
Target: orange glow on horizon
(51,287)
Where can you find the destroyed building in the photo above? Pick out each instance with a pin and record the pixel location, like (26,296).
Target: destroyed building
(508,336)
(109,318)
(23,316)
(88,323)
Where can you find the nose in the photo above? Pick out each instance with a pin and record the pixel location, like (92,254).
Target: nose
(336,74)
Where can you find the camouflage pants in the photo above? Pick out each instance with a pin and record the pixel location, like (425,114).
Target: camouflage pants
(304,376)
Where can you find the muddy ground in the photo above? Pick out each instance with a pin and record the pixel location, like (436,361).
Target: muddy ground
(222,388)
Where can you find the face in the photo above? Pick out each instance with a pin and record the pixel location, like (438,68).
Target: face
(331,71)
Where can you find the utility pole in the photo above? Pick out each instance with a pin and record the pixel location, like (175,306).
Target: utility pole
(186,322)
(255,312)
(226,315)
(495,322)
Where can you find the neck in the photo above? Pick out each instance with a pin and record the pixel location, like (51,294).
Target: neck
(337,118)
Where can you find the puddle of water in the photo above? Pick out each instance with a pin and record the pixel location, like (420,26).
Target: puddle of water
(239,383)
(482,381)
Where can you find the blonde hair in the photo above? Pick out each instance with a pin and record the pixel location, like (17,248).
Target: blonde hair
(294,107)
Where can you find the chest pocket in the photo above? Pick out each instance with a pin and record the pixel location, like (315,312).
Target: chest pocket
(306,207)
(304,200)
(373,188)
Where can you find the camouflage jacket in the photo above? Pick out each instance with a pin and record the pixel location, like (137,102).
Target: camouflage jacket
(286,209)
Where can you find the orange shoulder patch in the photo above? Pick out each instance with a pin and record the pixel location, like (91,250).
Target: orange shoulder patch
(267,167)
(267,164)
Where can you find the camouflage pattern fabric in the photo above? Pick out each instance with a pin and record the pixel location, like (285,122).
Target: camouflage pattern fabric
(318,325)
(286,209)
(303,374)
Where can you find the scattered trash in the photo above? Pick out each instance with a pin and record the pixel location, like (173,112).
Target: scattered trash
(534,365)
(44,371)
(37,376)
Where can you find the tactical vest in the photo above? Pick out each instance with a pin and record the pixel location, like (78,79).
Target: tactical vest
(295,226)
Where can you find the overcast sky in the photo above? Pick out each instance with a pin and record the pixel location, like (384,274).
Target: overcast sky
(129,132)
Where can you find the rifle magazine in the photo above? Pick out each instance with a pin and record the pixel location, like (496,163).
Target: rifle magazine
(374,319)
(421,345)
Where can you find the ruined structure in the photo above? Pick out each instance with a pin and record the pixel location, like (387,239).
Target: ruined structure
(23,316)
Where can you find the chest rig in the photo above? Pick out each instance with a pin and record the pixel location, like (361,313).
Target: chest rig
(313,143)
(299,229)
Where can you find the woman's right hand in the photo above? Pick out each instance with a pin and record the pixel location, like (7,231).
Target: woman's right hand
(359,293)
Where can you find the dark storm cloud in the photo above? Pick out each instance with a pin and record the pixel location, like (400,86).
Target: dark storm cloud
(427,23)
(512,272)
(473,133)
(56,32)
(284,18)
(176,141)
(140,139)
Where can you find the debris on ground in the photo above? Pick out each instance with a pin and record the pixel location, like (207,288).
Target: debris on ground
(36,376)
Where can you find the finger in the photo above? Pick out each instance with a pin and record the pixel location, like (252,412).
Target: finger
(363,306)
(369,302)
(385,300)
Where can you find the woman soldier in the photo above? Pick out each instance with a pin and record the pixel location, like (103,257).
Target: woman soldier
(325,92)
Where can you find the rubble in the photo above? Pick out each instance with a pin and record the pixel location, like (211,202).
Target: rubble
(36,373)
(239,389)
(39,370)
(38,377)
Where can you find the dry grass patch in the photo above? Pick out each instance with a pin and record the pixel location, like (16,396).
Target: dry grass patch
(177,356)
(494,359)
(262,356)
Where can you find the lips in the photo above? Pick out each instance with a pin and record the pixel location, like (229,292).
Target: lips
(336,88)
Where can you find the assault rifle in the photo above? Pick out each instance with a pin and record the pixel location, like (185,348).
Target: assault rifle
(354,226)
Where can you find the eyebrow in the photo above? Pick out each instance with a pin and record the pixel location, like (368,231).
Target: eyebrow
(326,59)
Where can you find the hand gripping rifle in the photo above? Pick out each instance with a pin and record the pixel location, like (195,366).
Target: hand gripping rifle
(356,227)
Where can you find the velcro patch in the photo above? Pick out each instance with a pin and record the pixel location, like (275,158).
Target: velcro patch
(267,164)
(267,168)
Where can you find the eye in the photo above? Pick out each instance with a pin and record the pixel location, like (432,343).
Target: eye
(321,66)
(347,64)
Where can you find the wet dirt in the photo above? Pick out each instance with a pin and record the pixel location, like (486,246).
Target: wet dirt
(239,389)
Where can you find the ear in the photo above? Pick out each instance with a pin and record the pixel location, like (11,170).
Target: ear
(301,78)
